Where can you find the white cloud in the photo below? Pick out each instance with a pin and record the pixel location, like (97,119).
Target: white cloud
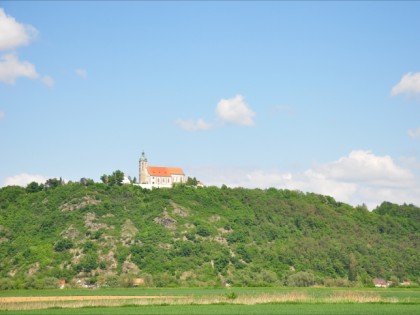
(11,68)
(414,133)
(235,111)
(24,179)
(81,73)
(1,115)
(361,177)
(191,125)
(409,84)
(14,34)
(48,81)
(364,166)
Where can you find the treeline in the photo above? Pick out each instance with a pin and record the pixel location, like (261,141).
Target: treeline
(107,234)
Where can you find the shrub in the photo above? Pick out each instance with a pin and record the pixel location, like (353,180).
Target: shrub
(203,231)
(87,263)
(340,282)
(63,245)
(301,279)
(231,296)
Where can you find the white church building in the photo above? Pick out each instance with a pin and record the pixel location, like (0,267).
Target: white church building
(159,176)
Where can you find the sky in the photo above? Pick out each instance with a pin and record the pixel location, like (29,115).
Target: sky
(314,96)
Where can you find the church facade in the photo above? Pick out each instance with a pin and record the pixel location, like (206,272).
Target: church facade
(159,176)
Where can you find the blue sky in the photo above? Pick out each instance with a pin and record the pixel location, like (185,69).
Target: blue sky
(315,96)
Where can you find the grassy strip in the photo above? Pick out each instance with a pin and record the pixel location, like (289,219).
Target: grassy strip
(315,292)
(289,309)
(298,297)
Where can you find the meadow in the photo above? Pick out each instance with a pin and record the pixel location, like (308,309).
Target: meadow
(212,301)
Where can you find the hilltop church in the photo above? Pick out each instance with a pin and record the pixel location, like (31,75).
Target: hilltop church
(159,176)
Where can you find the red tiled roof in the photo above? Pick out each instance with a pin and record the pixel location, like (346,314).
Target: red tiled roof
(164,171)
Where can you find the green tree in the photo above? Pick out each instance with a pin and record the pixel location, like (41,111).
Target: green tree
(53,182)
(352,267)
(86,181)
(104,179)
(34,187)
(192,181)
(116,178)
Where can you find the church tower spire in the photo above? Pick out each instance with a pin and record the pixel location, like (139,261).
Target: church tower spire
(143,169)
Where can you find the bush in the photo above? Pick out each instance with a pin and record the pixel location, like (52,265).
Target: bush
(231,295)
(203,231)
(340,282)
(87,263)
(6,284)
(63,245)
(301,279)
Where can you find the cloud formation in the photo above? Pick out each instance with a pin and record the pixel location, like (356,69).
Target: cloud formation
(360,177)
(364,166)
(409,84)
(191,125)
(24,179)
(48,81)
(11,68)
(414,133)
(82,73)
(1,115)
(235,111)
(14,34)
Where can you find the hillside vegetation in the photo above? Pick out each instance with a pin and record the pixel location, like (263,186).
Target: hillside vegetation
(107,235)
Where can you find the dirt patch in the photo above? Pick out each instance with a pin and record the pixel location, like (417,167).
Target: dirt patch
(178,210)
(94,226)
(220,240)
(214,218)
(71,233)
(224,231)
(33,269)
(166,221)
(75,204)
(129,267)
(128,232)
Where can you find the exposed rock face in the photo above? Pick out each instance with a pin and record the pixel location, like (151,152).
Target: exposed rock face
(33,269)
(110,259)
(179,211)
(71,233)
(92,226)
(128,232)
(129,267)
(166,221)
(76,203)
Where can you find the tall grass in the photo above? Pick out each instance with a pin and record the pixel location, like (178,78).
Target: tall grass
(295,297)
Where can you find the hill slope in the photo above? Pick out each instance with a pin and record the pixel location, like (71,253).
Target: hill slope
(199,236)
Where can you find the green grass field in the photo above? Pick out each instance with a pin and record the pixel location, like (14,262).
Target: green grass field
(401,293)
(300,301)
(290,309)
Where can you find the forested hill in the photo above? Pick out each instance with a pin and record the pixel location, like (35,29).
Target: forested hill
(109,235)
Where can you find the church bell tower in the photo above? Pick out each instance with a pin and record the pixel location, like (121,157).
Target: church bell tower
(143,169)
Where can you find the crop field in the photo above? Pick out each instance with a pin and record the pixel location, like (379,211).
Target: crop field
(213,301)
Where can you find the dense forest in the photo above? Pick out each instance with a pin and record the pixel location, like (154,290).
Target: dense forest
(110,235)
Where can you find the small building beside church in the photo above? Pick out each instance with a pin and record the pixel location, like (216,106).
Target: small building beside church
(159,176)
